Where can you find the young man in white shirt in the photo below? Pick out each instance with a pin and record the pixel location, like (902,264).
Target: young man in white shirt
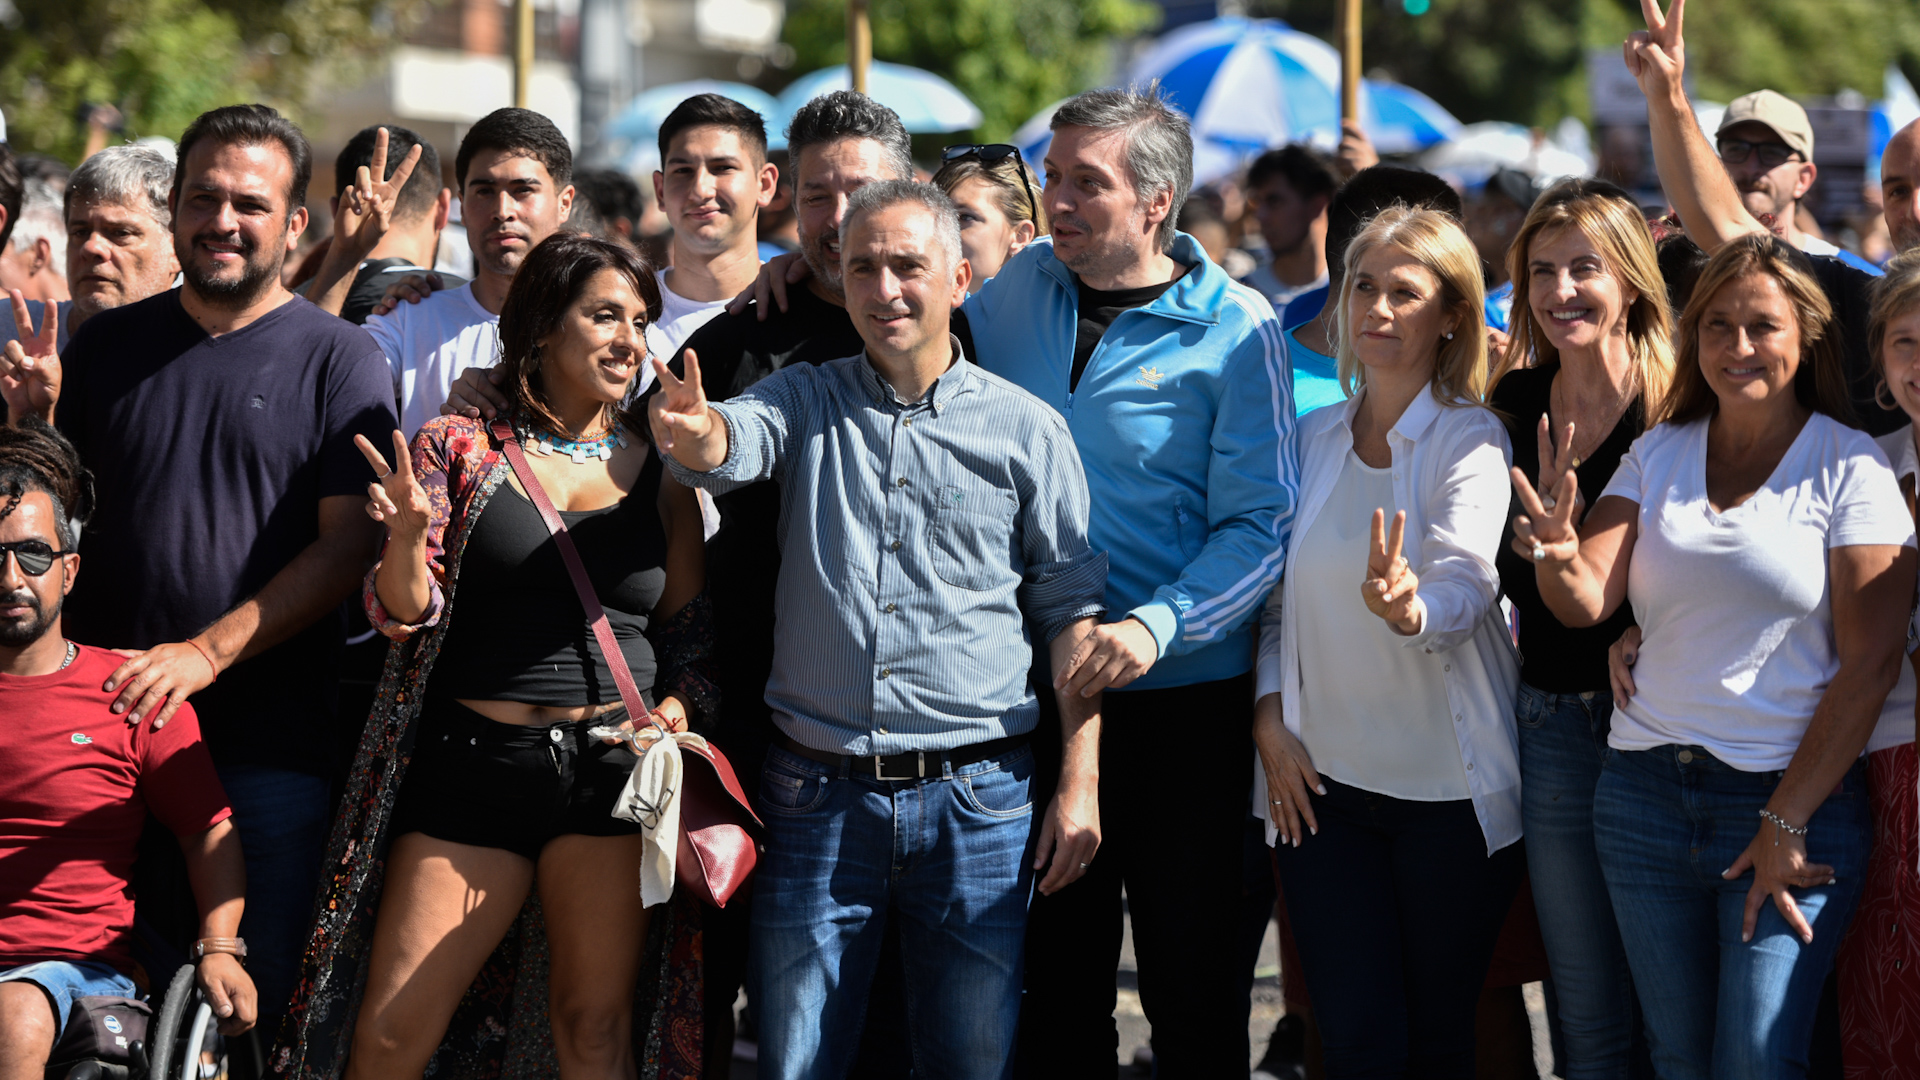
(713,182)
(515,173)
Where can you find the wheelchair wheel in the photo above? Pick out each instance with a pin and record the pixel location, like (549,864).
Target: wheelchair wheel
(180,1032)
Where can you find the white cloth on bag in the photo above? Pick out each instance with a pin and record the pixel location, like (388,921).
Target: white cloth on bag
(651,800)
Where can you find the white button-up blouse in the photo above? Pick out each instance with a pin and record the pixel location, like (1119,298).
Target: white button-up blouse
(1450,475)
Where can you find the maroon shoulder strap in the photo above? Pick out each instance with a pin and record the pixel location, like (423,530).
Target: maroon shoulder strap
(602,632)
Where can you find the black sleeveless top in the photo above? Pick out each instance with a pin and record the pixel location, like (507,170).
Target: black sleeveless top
(519,632)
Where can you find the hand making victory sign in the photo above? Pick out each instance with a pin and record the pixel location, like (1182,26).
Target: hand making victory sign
(366,205)
(1657,56)
(30,367)
(1557,462)
(1391,590)
(682,424)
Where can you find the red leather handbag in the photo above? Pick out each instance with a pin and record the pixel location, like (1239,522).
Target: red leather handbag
(718,846)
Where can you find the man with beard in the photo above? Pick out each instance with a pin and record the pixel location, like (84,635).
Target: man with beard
(515,174)
(1714,209)
(79,783)
(218,420)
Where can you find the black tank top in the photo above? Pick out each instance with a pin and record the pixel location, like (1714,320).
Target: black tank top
(519,632)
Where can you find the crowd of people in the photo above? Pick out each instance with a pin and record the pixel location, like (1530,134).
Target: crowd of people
(1008,546)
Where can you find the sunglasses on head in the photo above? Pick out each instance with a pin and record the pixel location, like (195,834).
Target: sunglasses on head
(34,556)
(1772,154)
(991,154)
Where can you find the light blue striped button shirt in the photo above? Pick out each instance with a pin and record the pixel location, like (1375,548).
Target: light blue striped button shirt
(918,544)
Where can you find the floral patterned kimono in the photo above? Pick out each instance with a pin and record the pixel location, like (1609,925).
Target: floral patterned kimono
(500,1029)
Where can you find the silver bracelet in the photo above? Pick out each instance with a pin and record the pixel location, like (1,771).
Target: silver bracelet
(1781,823)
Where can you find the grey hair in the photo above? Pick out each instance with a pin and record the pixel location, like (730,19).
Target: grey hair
(882,194)
(844,114)
(40,220)
(136,176)
(1159,141)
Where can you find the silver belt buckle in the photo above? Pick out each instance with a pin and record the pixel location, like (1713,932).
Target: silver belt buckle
(879,770)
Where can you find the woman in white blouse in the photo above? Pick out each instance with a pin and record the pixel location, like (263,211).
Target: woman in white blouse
(1768,556)
(1385,720)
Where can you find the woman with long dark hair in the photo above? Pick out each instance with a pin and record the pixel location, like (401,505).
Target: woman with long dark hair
(480,781)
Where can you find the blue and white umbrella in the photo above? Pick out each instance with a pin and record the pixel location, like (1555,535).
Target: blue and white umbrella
(1252,84)
(925,101)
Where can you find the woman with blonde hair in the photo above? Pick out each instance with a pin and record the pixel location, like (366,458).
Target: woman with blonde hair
(999,204)
(1768,557)
(1384,722)
(1590,310)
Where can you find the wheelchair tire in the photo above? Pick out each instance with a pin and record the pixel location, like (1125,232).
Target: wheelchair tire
(169,1029)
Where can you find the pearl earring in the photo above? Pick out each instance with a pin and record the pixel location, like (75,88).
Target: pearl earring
(1449,336)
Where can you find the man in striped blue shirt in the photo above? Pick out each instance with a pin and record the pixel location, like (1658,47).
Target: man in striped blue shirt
(933,516)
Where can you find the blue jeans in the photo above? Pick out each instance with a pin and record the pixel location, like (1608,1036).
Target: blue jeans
(1563,743)
(64,981)
(1396,907)
(282,819)
(1666,823)
(946,858)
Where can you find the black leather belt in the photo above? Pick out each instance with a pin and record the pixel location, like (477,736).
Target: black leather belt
(912,765)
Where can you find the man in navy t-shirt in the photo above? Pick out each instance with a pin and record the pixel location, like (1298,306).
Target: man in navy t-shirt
(218,419)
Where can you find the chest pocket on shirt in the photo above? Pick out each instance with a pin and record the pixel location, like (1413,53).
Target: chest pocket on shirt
(970,534)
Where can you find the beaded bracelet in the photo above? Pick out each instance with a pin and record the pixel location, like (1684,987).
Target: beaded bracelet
(1781,823)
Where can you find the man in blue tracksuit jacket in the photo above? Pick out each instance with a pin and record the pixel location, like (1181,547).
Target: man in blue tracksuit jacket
(1175,383)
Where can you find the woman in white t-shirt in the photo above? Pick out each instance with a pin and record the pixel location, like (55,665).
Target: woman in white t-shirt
(1768,556)
(1390,765)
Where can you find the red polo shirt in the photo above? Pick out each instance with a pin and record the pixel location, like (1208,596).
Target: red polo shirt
(76,784)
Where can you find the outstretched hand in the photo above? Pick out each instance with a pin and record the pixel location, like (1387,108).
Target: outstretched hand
(1392,589)
(1657,56)
(366,205)
(30,366)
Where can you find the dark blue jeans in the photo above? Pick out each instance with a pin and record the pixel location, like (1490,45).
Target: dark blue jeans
(1563,744)
(1396,906)
(282,818)
(1666,823)
(947,859)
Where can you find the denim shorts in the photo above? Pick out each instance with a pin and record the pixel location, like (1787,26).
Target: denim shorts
(67,980)
(513,786)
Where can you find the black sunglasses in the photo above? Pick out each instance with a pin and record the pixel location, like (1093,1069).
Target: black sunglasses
(34,556)
(1772,154)
(991,154)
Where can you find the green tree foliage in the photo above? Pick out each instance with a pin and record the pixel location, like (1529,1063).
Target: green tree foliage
(163,62)
(1524,60)
(1012,57)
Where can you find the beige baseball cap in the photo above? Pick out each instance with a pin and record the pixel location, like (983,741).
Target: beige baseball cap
(1777,111)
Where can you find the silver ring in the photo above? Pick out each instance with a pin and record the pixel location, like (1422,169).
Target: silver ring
(1547,502)
(1539,553)
(1084,865)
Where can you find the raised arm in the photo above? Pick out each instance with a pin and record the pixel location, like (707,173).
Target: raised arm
(363,216)
(1690,171)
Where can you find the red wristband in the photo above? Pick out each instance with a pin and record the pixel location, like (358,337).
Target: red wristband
(208,657)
